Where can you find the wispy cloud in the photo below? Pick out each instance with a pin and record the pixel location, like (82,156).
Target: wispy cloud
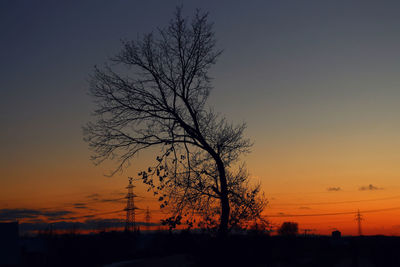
(89,224)
(56,215)
(93,196)
(14,214)
(304,208)
(80,206)
(118,200)
(119,193)
(370,187)
(334,189)
(100,198)
(18,214)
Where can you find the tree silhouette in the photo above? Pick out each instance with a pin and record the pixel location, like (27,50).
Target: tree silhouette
(154,95)
(288,229)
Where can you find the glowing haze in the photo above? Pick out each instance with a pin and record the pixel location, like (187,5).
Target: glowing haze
(316,82)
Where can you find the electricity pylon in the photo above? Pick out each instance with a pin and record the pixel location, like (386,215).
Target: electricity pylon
(359,219)
(130,223)
(148,218)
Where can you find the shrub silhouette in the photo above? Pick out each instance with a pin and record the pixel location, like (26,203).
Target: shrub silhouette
(288,229)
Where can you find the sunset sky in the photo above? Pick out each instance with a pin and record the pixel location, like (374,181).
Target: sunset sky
(317,82)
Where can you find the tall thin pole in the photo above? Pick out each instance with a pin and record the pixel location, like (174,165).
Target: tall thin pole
(359,219)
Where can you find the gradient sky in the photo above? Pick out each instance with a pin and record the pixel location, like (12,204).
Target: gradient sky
(316,81)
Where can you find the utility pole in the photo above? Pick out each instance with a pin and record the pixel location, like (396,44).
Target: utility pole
(148,218)
(130,223)
(359,219)
(306,231)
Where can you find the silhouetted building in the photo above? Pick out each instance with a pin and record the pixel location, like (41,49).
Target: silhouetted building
(9,244)
(336,234)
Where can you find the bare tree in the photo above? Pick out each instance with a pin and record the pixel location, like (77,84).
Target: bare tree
(154,95)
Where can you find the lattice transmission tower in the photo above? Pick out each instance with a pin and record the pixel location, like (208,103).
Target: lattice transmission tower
(359,219)
(130,223)
(148,218)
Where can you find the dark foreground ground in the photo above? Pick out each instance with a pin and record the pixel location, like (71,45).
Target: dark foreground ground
(188,249)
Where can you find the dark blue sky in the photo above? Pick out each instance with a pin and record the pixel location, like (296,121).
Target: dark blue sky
(278,47)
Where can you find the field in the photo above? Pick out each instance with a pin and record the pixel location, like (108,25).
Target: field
(194,249)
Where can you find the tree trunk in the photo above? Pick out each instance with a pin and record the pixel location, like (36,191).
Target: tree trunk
(225,208)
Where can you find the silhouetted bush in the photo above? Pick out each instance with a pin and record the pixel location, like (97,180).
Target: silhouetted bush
(288,229)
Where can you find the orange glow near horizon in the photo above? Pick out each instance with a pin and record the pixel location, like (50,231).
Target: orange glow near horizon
(317,85)
(303,180)
(314,210)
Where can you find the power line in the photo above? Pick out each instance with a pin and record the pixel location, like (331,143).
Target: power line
(310,215)
(330,214)
(100,213)
(84,203)
(90,215)
(105,200)
(337,202)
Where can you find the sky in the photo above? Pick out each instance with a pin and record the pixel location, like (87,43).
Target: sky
(317,83)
